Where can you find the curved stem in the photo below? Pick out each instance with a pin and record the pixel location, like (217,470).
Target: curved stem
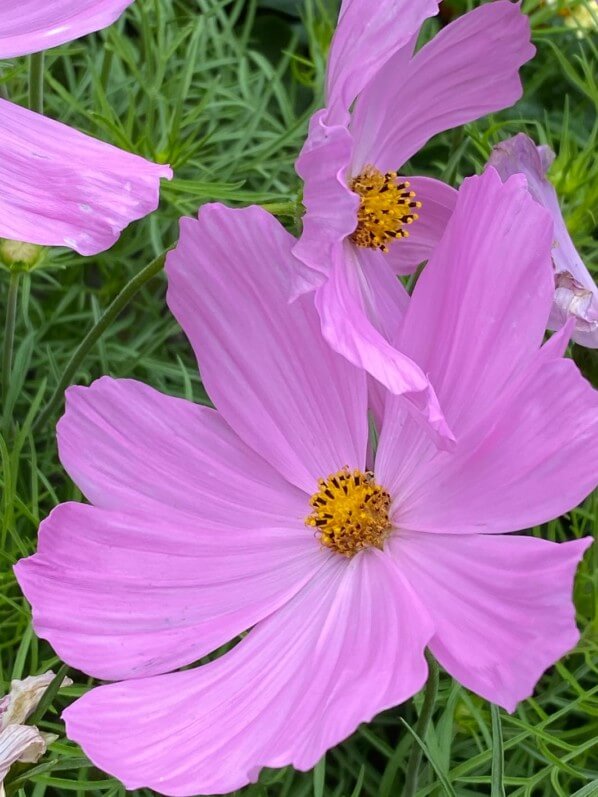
(9,330)
(36,82)
(415,756)
(110,314)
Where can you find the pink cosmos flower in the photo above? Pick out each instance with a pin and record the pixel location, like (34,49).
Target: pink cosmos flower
(264,515)
(59,187)
(576,294)
(27,26)
(383,103)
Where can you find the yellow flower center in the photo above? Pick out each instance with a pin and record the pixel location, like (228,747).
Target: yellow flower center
(385,208)
(350,512)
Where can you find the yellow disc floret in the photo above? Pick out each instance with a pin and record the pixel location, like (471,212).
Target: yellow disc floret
(385,208)
(350,512)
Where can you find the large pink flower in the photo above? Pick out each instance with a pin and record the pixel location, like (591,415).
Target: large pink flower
(576,293)
(383,103)
(59,187)
(262,514)
(27,26)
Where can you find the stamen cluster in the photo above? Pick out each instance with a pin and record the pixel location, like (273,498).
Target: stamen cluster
(350,512)
(385,208)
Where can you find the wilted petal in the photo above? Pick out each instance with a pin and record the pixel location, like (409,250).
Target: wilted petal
(576,292)
(28,26)
(502,606)
(573,300)
(349,645)
(19,743)
(59,187)
(367,35)
(24,696)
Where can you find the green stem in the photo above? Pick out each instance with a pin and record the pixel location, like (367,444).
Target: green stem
(9,330)
(36,82)
(111,313)
(281,208)
(106,67)
(415,756)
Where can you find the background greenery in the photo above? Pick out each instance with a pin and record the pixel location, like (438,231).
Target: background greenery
(222,89)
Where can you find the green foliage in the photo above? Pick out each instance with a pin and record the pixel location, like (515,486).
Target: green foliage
(223,89)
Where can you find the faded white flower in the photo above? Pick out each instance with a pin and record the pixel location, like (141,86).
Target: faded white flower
(20,742)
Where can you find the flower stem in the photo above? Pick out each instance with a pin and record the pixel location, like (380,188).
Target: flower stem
(9,330)
(281,208)
(111,313)
(36,82)
(415,756)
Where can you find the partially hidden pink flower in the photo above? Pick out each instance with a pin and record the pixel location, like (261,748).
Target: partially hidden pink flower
(262,514)
(28,26)
(20,742)
(576,293)
(59,187)
(383,103)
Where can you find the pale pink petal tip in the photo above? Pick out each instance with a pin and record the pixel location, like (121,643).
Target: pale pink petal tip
(576,293)
(39,24)
(60,187)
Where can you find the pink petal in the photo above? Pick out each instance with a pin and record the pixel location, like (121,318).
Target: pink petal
(438,203)
(531,460)
(63,188)
(383,295)
(479,308)
(34,25)
(263,361)
(525,420)
(330,206)
(127,446)
(346,647)
(157,590)
(346,326)
(576,292)
(502,606)
(367,35)
(468,70)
